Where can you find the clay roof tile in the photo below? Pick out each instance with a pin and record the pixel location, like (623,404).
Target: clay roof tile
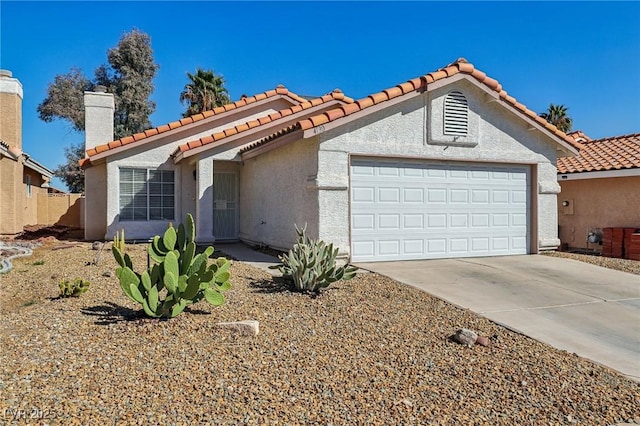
(127,140)
(379,97)
(406,87)
(451,70)
(139,136)
(393,92)
(614,153)
(438,75)
(364,102)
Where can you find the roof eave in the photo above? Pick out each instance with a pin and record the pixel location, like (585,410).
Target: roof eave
(599,174)
(273,144)
(268,128)
(185,127)
(36,166)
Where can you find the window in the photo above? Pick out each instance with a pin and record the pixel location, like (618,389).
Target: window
(28,182)
(146,194)
(456,114)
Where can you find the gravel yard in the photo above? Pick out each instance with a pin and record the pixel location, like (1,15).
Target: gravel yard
(367,351)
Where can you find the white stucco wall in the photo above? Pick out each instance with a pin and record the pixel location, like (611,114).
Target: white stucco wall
(277,190)
(402,130)
(98,118)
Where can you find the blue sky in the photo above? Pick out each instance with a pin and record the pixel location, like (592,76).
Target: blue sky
(585,55)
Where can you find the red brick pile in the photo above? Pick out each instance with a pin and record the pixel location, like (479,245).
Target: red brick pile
(621,243)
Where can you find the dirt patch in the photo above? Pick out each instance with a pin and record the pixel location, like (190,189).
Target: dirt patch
(59,232)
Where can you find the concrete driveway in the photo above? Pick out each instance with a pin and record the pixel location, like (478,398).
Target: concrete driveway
(581,308)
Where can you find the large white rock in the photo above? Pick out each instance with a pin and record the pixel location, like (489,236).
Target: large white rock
(247,327)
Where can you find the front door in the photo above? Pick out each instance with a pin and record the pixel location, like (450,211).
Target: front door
(225,206)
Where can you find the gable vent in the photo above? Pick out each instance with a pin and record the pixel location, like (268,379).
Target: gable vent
(456,114)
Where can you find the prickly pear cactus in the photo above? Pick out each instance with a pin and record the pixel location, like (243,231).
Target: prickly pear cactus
(311,264)
(179,278)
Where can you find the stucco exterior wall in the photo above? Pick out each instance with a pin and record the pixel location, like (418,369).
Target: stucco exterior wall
(95,214)
(402,130)
(597,203)
(29,203)
(10,186)
(10,110)
(278,190)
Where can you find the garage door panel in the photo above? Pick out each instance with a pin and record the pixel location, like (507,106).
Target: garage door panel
(421,210)
(363,195)
(413,195)
(436,196)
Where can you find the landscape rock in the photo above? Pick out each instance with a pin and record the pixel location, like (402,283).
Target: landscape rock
(465,336)
(247,327)
(482,340)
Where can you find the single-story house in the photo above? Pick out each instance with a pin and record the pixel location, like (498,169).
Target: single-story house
(600,189)
(443,165)
(22,178)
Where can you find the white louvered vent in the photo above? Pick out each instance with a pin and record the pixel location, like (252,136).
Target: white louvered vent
(456,114)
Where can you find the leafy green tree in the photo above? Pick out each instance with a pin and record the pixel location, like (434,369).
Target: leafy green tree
(70,172)
(128,75)
(204,92)
(558,116)
(65,99)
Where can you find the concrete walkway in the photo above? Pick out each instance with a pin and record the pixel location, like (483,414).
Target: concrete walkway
(571,305)
(247,254)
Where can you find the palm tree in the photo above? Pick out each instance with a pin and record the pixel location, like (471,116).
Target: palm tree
(204,92)
(557,115)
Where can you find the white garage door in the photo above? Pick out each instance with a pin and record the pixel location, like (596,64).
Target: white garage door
(403,210)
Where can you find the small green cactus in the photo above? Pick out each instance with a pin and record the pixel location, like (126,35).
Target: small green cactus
(179,277)
(73,289)
(311,264)
(118,241)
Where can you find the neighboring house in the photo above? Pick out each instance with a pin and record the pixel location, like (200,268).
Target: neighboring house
(22,178)
(600,188)
(444,165)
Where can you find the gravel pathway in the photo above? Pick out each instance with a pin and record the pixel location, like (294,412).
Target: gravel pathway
(367,351)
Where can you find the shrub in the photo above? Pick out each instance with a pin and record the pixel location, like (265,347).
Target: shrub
(73,289)
(311,264)
(178,278)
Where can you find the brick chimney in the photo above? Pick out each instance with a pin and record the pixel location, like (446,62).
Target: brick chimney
(11,111)
(99,107)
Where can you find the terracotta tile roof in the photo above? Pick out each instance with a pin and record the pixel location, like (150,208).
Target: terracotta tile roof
(216,137)
(461,66)
(245,100)
(579,136)
(615,153)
